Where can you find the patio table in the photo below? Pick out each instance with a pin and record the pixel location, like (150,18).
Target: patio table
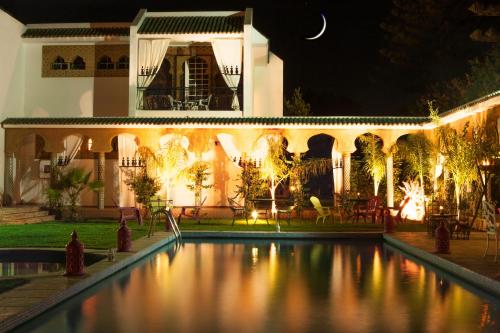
(436,218)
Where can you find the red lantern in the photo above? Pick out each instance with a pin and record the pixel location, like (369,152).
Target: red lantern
(74,256)
(388,222)
(124,238)
(442,238)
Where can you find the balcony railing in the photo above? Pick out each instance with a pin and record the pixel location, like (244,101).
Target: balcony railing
(187,99)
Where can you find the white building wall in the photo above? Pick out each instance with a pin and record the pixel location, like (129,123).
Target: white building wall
(54,96)
(11,74)
(267,79)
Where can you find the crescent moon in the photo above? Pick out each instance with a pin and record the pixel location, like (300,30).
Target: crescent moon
(322,29)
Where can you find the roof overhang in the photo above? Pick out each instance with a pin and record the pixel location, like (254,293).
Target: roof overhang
(369,123)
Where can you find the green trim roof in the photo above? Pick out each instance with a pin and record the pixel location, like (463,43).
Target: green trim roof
(75,32)
(192,24)
(264,121)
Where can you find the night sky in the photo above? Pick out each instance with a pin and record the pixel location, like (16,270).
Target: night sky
(341,73)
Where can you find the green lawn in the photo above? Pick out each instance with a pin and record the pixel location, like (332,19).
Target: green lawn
(101,234)
(94,234)
(296,225)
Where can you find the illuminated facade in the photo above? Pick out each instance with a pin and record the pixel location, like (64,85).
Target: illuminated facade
(89,94)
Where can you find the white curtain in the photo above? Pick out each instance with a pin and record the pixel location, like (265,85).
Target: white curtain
(228,53)
(72,145)
(337,170)
(186,80)
(151,55)
(127,147)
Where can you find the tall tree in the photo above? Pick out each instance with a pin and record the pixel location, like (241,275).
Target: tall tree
(373,158)
(428,42)
(491,10)
(418,153)
(296,105)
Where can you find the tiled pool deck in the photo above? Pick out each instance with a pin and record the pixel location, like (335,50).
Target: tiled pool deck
(41,293)
(466,253)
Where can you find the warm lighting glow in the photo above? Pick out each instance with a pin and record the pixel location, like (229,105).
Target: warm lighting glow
(272,251)
(415,207)
(254,215)
(89,144)
(292,188)
(485,162)
(255,252)
(441,208)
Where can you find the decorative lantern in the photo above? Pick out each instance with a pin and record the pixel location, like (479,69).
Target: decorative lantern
(388,222)
(124,238)
(442,238)
(74,256)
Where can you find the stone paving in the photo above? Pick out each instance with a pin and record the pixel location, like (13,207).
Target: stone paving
(40,288)
(466,253)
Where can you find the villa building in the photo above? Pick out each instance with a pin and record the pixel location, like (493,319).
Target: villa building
(89,94)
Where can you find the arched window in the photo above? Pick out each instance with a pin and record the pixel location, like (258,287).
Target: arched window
(196,78)
(122,63)
(59,63)
(105,63)
(78,63)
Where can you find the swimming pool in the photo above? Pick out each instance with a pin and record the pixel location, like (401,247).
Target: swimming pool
(20,262)
(275,286)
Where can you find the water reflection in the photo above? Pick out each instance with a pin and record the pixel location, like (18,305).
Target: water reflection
(25,268)
(277,287)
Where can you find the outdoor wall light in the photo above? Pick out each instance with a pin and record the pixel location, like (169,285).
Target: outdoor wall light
(89,144)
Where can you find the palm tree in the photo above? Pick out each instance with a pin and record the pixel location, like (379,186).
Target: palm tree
(72,182)
(417,150)
(460,158)
(276,168)
(172,159)
(373,158)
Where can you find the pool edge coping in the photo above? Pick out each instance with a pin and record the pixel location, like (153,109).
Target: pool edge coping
(281,235)
(473,278)
(49,302)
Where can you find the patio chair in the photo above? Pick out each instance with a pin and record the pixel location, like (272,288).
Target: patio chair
(175,104)
(343,206)
(157,208)
(203,104)
(237,209)
(323,211)
(191,212)
(370,209)
(462,228)
(285,211)
(492,229)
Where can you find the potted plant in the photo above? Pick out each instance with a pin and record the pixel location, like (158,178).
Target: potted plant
(54,202)
(196,176)
(67,186)
(144,186)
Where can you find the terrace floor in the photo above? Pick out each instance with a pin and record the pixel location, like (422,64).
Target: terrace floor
(466,253)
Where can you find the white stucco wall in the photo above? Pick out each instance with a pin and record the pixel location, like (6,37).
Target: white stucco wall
(54,97)
(11,74)
(267,83)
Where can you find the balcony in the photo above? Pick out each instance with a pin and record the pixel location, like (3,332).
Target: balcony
(189,99)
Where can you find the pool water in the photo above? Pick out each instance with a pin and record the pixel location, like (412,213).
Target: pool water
(275,286)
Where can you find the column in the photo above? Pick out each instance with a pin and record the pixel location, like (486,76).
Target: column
(346,168)
(10,173)
(389,171)
(101,161)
